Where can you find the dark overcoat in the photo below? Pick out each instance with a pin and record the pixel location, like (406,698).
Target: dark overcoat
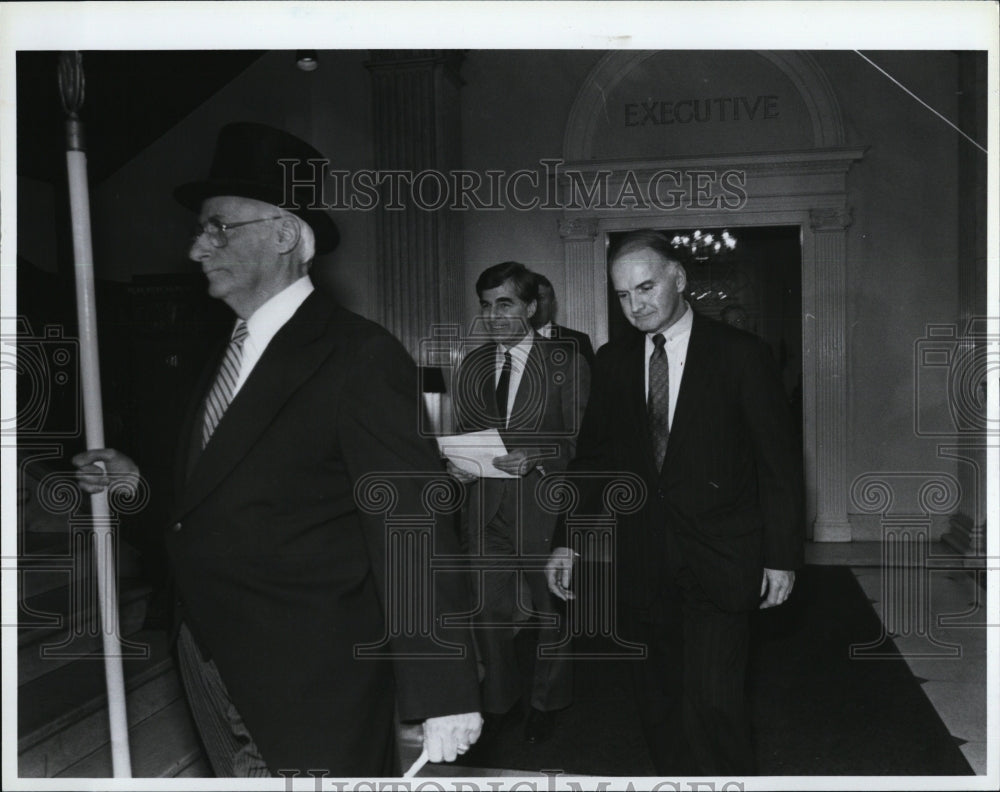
(279,573)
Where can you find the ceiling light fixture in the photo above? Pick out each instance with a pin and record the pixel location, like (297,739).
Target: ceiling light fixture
(307,60)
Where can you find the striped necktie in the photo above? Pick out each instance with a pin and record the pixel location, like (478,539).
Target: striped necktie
(225,381)
(658,401)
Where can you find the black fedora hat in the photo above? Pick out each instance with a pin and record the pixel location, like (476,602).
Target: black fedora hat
(247,163)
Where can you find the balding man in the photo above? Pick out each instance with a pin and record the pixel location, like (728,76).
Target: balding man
(280,577)
(695,408)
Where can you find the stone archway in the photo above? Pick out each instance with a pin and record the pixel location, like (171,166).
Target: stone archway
(807,188)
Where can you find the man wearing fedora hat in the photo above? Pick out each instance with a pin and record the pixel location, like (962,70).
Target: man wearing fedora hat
(279,575)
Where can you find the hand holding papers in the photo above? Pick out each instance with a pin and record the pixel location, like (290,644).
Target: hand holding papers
(473,453)
(519,462)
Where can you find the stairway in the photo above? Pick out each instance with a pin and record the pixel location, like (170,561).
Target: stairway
(61,699)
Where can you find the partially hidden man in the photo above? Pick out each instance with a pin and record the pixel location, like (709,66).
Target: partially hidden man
(279,575)
(533,391)
(544,321)
(696,409)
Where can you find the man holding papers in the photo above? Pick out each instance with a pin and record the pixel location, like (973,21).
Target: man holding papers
(531,393)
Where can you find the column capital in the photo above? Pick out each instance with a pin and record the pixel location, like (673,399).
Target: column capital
(830,219)
(578,228)
(386,60)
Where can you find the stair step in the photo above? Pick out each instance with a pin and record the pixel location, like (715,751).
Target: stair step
(31,542)
(39,521)
(45,615)
(56,700)
(161,746)
(41,650)
(199,768)
(81,738)
(48,569)
(34,518)
(50,546)
(51,566)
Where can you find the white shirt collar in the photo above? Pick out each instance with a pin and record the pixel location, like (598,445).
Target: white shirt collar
(679,329)
(266,321)
(272,315)
(521,349)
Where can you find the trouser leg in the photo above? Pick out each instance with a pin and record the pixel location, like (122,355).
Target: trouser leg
(552,681)
(228,744)
(715,712)
(656,682)
(690,689)
(494,636)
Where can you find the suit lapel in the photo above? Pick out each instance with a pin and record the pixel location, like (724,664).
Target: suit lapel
(695,380)
(189,449)
(529,401)
(293,355)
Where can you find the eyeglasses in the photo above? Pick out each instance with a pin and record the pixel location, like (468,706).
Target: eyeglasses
(216,230)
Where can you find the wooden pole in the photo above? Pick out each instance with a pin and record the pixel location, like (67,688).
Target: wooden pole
(71,87)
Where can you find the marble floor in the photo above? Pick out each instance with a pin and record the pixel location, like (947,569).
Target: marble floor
(936,616)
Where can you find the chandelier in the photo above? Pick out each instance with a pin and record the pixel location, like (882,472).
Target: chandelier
(704,247)
(714,278)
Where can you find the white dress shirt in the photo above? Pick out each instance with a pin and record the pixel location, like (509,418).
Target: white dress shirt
(546,330)
(677,337)
(518,360)
(266,321)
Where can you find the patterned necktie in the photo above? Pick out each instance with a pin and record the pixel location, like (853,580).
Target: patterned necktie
(503,385)
(225,381)
(658,401)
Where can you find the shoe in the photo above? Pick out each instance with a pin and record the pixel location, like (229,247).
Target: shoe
(491,727)
(539,726)
(496,722)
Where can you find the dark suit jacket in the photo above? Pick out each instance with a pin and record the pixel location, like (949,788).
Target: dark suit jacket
(582,341)
(728,500)
(546,414)
(279,573)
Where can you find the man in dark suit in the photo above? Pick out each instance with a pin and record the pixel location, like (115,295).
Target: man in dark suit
(534,394)
(544,321)
(696,409)
(280,573)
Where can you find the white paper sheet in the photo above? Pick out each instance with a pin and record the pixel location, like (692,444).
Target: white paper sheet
(474,452)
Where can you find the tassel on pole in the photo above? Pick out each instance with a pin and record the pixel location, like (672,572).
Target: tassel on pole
(71,89)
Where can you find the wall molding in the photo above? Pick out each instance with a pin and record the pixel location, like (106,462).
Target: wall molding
(799,67)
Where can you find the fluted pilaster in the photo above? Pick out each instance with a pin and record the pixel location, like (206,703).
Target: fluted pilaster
(966,533)
(584,305)
(417,281)
(829,240)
